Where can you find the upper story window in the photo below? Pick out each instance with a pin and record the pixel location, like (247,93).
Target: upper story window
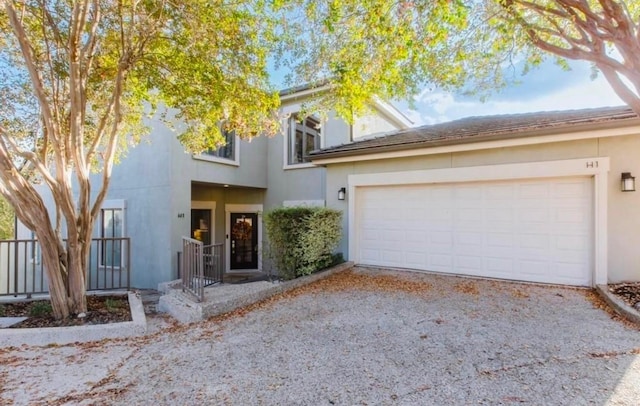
(304,137)
(226,151)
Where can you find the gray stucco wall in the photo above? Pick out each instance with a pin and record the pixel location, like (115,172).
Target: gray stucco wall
(623,208)
(143,180)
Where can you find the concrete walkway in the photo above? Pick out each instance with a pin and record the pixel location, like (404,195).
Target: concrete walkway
(226,297)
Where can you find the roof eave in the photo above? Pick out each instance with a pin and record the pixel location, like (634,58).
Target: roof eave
(570,128)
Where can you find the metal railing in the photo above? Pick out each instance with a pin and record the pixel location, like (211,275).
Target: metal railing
(22,271)
(199,266)
(213,269)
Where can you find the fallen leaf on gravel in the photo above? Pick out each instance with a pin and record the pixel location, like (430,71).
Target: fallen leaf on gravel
(467,287)
(599,303)
(520,294)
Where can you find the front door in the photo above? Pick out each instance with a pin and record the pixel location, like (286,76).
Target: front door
(244,241)
(201,225)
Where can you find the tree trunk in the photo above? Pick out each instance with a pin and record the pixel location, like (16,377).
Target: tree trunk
(53,261)
(77,284)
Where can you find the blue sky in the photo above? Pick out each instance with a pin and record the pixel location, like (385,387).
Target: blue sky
(544,89)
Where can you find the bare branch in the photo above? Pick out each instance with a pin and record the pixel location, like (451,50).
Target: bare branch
(112,142)
(29,59)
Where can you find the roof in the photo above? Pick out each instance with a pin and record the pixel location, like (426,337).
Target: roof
(485,128)
(305,88)
(305,91)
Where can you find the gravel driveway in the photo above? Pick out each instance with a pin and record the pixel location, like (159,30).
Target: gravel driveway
(359,337)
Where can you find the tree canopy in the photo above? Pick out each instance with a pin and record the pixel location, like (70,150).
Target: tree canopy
(80,77)
(605,33)
(390,49)
(393,49)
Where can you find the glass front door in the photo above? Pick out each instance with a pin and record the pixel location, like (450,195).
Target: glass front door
(244,241)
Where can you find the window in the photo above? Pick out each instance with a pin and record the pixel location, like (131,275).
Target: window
(111,232)
(226,151)
(304,137)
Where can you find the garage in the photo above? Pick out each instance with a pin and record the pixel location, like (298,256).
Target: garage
(536,230)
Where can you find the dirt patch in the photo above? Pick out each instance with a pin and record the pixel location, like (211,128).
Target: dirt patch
(100,310)
(628,292)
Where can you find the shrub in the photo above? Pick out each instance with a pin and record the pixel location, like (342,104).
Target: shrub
(112,304)
(302,239)
(40,308)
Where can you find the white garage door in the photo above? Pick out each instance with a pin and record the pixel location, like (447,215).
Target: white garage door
(529,230)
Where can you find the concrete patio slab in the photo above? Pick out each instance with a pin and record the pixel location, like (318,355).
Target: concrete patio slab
(223,298)
(10,321)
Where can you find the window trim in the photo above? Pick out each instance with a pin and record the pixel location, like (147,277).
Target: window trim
(227,161)
(117,204)
(288,135)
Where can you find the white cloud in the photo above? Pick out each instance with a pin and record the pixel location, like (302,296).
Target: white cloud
(436,106)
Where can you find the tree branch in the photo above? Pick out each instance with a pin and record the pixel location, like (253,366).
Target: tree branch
(29,59)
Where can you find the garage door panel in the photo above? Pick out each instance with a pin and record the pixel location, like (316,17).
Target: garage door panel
(415,260)
(499,265)
(494,239)
(440,260)
(534,230)
(572,243)
(571,190)
(533,190)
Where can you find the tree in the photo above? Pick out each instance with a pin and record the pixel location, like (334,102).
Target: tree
(392,48)
(603,32)
(389,49)
(78,79)
(7,220)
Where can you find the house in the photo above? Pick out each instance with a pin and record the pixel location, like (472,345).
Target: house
(531,197)
(159,193)
(543,197)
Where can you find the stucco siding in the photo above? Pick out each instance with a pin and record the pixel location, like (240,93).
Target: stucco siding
(623,208)
(249,173)
(371,124)
(304,183)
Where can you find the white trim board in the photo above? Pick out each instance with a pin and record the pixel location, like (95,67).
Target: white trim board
(595,167)
(474,146)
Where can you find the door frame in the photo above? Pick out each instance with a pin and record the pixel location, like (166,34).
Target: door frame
(204,205)
(241,208)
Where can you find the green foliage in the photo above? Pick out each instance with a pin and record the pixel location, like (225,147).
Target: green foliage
(7,220)
(390,49)
(79,82)
(2,311)
(40,308)
(302,239)
(112,304)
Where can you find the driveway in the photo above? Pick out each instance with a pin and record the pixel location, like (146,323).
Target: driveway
(359,337)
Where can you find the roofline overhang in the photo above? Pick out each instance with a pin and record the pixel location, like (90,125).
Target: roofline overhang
(386,109)
(497,140)
(304,92)
(390,112)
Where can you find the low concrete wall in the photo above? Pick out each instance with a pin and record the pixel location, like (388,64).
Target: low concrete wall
(67,335)
(618,305)
(225,298)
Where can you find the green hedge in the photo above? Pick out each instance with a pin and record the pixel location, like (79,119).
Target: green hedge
(302,239)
